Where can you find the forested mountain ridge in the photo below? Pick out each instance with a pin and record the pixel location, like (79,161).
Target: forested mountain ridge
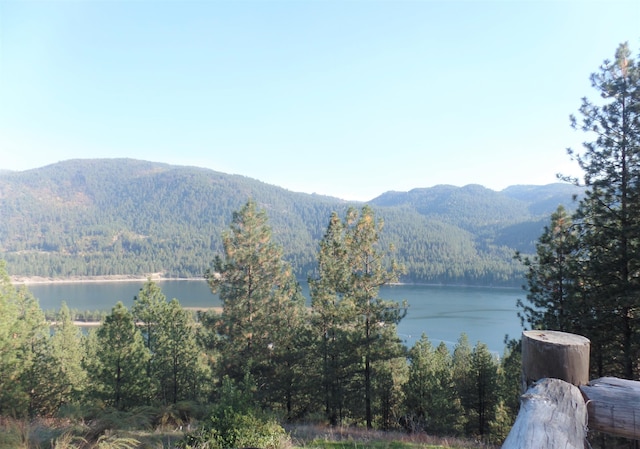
(93,217)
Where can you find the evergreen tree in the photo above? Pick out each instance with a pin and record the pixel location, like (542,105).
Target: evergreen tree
(464,380)
(331,315)
(23,339)
(388,381)
(178,366)
(67,351)
(432,402)
(609,214)
(553,275)
(262,306)
(350,316)
(149,308)
(33,334)
(484,370)
(511,377)
(117,361)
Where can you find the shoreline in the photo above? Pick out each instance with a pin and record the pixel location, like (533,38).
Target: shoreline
(159,277)
(34,280)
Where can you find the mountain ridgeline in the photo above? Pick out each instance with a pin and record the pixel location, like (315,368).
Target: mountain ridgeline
(100,217)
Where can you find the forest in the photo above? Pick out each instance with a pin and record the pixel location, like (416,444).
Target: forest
(105,217)
(241,376)
(237,376)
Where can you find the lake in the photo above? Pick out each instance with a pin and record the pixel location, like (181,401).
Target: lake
(443,313)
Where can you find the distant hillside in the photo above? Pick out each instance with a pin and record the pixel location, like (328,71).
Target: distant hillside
(120,216)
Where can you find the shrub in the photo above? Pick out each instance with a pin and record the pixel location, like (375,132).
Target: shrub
(234,422)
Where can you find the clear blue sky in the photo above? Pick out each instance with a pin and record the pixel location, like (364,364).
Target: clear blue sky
(349,99)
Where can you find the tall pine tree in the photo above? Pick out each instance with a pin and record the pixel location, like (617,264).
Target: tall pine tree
(263,308)
(351,319)
(609,214)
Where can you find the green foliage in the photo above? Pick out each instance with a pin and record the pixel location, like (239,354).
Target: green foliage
(354,326)
(584,278)
(553,278)
(485,397)
(67,351)
(23,342)
(117,360)
(432,401)
(148,368)
(121,217)
(175,369)
(263,308)
(236,422)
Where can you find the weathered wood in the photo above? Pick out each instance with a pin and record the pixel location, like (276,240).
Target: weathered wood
(555,355)
(614,406)
(552,415)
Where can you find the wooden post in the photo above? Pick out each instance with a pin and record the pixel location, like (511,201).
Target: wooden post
(614,406)
(556,355)
(552,415)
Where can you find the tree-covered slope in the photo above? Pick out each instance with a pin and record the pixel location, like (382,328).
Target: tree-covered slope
(121,216)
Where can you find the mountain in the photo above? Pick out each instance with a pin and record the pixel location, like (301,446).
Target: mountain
(95,217)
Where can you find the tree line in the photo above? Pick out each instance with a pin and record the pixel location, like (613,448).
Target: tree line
(339,361)
(125,217)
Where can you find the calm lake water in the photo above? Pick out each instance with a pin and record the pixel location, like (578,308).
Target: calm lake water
(443,313)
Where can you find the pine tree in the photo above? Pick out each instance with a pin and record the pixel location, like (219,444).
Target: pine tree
(349,314)
(67,351)
(553,278)
(23,338)
(178,366)
(609,214)
(432,402)
(149,306)
(464,380)
(117,361)
(331,315)
(262,306)
(484,370)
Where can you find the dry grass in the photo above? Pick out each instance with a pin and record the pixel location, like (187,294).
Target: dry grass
(322,436)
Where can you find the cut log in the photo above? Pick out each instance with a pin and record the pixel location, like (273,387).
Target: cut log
(552,415)
(556,355)
(614,406)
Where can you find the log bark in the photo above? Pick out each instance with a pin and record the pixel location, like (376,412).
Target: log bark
(552,414)
(614,406)
(556,355)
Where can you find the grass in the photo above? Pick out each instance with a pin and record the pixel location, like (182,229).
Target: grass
(314,436)
(65,434)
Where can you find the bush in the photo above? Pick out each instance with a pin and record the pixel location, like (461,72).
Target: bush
(229,429)
(234,422)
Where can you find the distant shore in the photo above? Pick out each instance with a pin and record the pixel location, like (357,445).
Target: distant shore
(156,277)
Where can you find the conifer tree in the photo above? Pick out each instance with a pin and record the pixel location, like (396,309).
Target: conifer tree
(181,372)
(117,361)
(23,338)
(262,306)
(67,351)
(553,278)
(432,401)
(463,380)
(348,312)
(609,214)
(484,371)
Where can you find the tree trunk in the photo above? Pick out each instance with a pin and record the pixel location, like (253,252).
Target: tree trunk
(614,406)
(554,354)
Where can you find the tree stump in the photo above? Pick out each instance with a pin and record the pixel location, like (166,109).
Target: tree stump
(554,354)
(552,415)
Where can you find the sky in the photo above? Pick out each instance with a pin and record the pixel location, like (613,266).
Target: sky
(343,98)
